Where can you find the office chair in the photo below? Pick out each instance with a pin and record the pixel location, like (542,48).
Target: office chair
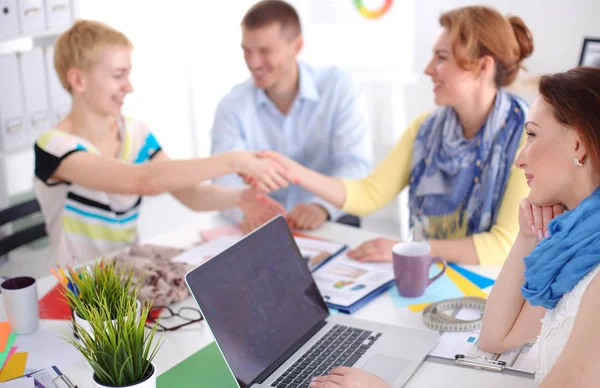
(24,236)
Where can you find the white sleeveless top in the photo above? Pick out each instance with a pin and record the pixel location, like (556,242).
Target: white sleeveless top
(557,325)
(83,223)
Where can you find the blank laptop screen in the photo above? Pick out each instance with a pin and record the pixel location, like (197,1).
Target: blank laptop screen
(259,299)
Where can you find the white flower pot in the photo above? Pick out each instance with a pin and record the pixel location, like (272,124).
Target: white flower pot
(149,382)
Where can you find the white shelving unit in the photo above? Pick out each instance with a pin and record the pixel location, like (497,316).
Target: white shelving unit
(31,98)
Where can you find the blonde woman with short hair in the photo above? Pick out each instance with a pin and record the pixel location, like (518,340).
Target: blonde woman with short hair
(93,168)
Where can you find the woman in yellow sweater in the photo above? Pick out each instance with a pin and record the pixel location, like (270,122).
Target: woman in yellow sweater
(457,160)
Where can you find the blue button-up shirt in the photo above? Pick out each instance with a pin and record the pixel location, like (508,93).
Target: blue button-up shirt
(325,130)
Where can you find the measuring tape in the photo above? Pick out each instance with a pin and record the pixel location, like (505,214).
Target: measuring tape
(436,318)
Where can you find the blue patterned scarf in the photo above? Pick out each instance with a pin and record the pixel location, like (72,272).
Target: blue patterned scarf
(560,261)
(451,174)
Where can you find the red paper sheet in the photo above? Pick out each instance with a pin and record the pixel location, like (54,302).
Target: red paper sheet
(54,305)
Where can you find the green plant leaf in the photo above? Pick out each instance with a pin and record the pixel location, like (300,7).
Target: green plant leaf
(118,347)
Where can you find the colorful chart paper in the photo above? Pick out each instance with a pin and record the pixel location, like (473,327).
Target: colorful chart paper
(452,285)
(4,334)
(477,279)
(465,285)
(443,288)
(14,367)
(9,344)
(205,368)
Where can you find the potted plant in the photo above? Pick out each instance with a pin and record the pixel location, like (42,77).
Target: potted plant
(101,284)
(117,347)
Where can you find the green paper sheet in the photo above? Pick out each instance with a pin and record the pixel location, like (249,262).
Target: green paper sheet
(9,344)
(205,368)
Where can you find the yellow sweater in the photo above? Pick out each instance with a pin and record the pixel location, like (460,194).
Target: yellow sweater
(391,176)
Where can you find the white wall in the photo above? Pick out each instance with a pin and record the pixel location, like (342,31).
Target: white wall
(185,48)
(558,28)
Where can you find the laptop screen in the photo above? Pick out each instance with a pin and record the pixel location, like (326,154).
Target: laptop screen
(259,299)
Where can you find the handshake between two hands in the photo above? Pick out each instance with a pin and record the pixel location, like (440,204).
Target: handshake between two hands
(268,171)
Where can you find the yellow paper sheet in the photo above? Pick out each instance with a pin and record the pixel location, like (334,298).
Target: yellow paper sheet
(14,367)
(4,333)
(465,285)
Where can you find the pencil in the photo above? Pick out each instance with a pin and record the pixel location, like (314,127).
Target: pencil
(63,273)
(60,280)
(72,272)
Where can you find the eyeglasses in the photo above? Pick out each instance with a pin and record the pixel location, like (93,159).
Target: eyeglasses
(187,314)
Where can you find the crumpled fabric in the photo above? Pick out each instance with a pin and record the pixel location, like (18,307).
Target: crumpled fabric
(162,281)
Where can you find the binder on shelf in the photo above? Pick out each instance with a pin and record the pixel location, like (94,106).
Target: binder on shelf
(33,82)
(60,100)
(13,129)
(9,18)
(31,15)
(58,13)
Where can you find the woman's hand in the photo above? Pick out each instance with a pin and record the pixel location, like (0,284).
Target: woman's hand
(379,249)
(292,167)
(344,377)
(264,174)
(533,220)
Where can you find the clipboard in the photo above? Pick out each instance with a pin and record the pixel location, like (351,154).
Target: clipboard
(481,363)
(461,349)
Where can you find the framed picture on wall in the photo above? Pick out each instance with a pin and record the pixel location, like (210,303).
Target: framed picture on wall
(590,52)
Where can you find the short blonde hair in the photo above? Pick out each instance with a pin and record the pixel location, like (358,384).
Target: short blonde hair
(79,47)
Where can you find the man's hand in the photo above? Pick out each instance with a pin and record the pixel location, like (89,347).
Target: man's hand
(258,209)
(307,216)
(344,377)
(263,174)
(379,249)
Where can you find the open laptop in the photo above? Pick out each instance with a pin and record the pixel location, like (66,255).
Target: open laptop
(273,328)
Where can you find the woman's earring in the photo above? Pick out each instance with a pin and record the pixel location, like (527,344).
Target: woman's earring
(577,162)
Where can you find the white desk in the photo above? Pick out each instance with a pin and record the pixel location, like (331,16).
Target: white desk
(183,343)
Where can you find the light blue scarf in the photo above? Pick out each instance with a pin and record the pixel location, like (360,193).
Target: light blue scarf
(560,261)
(451,174)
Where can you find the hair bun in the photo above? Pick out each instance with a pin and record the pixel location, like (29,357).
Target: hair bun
(523,35)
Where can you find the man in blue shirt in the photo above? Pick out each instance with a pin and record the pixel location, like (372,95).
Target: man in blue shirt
(314,116)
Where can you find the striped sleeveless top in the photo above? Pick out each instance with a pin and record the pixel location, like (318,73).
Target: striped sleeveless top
(82,223)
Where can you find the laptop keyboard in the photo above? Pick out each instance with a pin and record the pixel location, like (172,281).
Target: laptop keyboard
(340,346)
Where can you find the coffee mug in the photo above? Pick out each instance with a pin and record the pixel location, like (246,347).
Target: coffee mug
(411,267)
(21,304)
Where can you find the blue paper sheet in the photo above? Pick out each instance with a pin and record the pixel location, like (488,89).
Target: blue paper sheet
(441,289)
(479,280)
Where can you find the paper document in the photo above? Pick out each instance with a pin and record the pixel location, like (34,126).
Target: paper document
(344,281)
(314,251)
(45,378)
(522,359)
